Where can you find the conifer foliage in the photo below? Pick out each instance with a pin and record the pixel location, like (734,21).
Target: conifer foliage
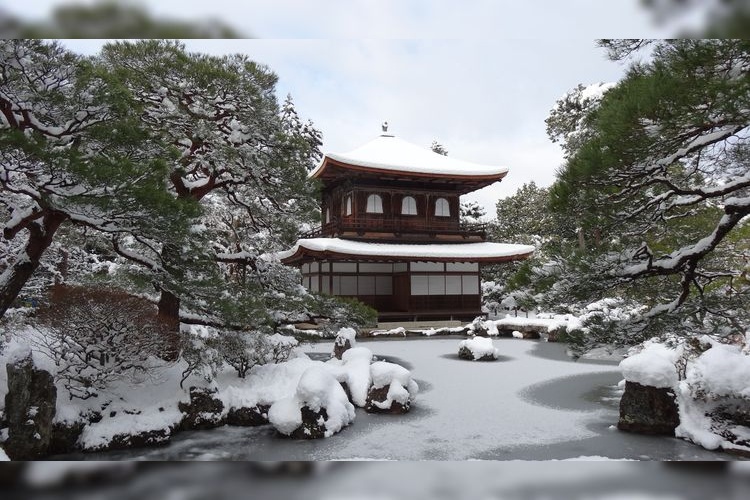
(72,152)
(657,170)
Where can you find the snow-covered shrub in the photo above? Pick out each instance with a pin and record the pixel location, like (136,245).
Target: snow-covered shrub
(721,371)
(478,349)
(319,407)
(393,390)
(344,312)
(478,327)
(244,349)
(200,353)
(97,336)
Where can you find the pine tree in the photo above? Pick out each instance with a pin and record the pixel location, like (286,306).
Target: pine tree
(72,152)
(662,173)
(234,150)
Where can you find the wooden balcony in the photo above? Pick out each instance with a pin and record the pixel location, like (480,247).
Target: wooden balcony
(402,229)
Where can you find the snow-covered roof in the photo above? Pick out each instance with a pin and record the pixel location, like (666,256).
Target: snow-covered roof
(390,153)
(453,252)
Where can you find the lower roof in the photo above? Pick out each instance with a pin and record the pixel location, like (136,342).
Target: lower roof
(337,248)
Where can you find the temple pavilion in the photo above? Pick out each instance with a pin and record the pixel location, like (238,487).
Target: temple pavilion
(391,234)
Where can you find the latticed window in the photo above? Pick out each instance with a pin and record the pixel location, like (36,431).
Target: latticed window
(374,204)
(442,209)
(409,206)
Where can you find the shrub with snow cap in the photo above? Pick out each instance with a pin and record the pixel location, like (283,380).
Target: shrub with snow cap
(715,398)
(393,389)
(477,349)
(723,371)
(319,407)
(344,341)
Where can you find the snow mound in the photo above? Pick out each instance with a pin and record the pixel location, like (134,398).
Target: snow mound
(317,390)
(354,370)
(723,370)
(345,334)
(401,388)
(517,335)
(653,366)
(480,347)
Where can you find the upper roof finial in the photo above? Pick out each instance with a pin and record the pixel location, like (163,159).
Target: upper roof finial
(384,126)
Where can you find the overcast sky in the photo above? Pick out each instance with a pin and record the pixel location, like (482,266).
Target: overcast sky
(468,75)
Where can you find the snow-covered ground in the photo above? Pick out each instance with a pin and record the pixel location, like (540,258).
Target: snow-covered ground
(533,403)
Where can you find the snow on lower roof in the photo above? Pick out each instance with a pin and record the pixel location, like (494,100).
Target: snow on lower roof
(387,152)
(442,251)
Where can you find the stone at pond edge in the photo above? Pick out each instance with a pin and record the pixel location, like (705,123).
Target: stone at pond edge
(554,335)
(64,438)
(204,411)
(465,353)
(313,424)
(648,410)
(248,417)
(340,347)
(140,440)
(30,406)
(730,419)
(379,395)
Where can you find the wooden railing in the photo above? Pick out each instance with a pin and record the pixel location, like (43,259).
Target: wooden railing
(398,226)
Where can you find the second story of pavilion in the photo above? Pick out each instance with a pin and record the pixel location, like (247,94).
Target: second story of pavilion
(392,190)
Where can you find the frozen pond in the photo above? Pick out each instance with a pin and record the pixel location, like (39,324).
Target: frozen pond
(534,403)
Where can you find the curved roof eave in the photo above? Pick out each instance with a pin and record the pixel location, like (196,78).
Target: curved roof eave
(336,248)
(389,154)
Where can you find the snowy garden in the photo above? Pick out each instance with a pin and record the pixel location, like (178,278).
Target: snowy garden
(148,196)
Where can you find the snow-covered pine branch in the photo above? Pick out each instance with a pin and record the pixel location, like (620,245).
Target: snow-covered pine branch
(664,157)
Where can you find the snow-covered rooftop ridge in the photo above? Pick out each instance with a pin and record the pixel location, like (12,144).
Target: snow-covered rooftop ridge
(456,251)
(388,152)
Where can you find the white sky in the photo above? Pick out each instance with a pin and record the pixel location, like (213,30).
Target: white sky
(477,76)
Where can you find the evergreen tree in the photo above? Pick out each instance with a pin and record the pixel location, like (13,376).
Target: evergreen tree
(662,175)
(232,148)
(72,152)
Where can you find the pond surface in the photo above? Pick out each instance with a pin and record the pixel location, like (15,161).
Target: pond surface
(534,403)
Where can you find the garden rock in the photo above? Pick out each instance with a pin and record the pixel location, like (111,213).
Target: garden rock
(204,411)
(648,410)
(248,417)
(64,438)
(344,341)
(30,406)
(319,407)
(477,349)
(393,389)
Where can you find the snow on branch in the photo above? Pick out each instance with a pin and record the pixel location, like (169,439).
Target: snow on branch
(134,257)
(699,143)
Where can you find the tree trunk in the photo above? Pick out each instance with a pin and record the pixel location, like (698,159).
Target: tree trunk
(169,303)
(169,315)
(169,309)
(15,277)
